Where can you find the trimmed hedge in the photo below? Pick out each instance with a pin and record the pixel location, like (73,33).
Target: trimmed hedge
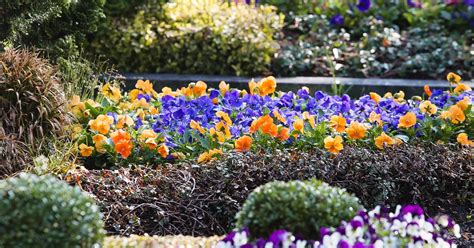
(203,200)
(205,37)
(301,207)
(46,212)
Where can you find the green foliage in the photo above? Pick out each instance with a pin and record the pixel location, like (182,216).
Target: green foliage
(302,207)
(50,24)
(45,212)
(428,51)
(393,12)
(206,37)
(32,105)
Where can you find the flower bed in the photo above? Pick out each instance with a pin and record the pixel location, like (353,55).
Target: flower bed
(144,127)
(405,227)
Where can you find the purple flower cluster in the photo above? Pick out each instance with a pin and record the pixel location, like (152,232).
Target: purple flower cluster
(177,112)
(406,227)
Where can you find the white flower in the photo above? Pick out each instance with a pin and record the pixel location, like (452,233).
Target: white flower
(457,231)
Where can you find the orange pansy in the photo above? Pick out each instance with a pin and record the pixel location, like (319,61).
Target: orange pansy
(376,97)
(243,143)
(267,86)
(85,150)
(163,150)
(356,130)
(384,140)
(407,121)
(283,134)
(338,123)
(199,89)
(333,145)
(456,115)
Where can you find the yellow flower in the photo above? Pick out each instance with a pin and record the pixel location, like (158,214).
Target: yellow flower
(453,78)
(208,156)
(456,115)
(464,103)
(407,121)
(243,143)
(86,150)
(278,116)
(146,86)
(460,88)
(222,126)
(426,107)
(148,134)
(196,126)
(133,95)
(267,86)
(384,140)
(204,157)
(252,86)
(99,141)
(376,97)
(356,130)
(463,139)
(215,101)
(338,123)
(101,124)
(77,107)
(76,130)
(153,110)
(220,135)
(299,125)
(163,150)
(167,91)
(223,87)
(142,103)
(123,120)
(374,117)
(151,144)
(223,115)
(310,119)
(333,145)
(111,92)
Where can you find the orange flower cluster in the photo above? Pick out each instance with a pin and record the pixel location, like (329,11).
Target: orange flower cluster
(266,125)
(122,142)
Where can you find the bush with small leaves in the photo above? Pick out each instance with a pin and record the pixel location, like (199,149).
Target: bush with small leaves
(45,212)
(302,207)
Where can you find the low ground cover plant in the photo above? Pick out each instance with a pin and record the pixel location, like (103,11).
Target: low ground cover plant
(407,226)
(46,212)
(144,127)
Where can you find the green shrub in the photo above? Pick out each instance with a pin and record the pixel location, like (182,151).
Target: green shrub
(48,24)
(207,37)
(302,207)
(32,106)
(45,212)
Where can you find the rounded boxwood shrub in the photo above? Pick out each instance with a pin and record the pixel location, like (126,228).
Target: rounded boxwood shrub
(302,207)
(45,212)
